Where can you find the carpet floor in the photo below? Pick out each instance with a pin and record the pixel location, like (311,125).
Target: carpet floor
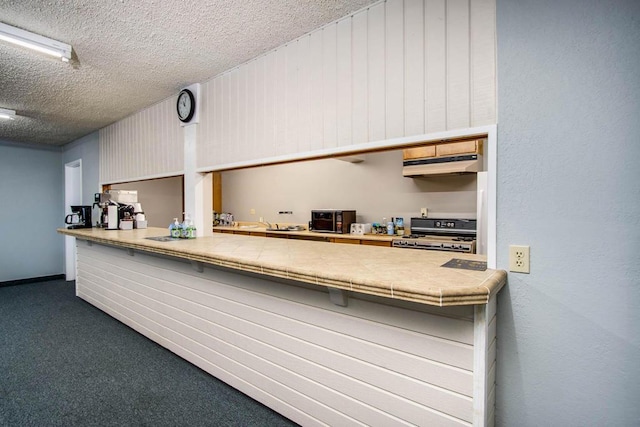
(63,362)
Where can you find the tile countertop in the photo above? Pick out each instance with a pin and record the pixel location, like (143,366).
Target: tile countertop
(411,275)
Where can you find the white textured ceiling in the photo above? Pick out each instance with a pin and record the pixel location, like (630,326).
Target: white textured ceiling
(130,54)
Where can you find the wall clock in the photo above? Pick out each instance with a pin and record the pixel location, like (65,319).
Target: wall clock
(186,105)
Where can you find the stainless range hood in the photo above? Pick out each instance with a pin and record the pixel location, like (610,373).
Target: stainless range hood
(461,164)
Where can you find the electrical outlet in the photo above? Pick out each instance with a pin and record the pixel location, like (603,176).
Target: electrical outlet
(252,211)
(519,259)
(423,212)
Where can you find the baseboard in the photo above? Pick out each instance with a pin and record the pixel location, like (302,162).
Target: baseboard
(32,280)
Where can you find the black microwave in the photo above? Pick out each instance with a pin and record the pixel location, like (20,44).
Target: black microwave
(332,221)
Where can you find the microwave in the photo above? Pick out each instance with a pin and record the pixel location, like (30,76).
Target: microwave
(332,221)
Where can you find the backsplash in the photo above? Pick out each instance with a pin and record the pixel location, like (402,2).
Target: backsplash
(375,188)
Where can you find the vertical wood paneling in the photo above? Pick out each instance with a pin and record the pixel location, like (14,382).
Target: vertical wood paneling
(414,80)
(458,85)
(243,144)
(435,66)
(260,108)
(234,115)
(329,84)
(218,120)
(280,88)
(250,112)
(317,98)
(292,99)
(226,118)
(398,68)
(270,105)
(376,68)
(394,72)
(344,82)
(360,89)
(148,143)
(305,103)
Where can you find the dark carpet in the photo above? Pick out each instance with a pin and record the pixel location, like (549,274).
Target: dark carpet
(63,362)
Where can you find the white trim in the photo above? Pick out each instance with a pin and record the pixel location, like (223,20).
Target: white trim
(72,196)
(483,314)
(368,146)
(143,178)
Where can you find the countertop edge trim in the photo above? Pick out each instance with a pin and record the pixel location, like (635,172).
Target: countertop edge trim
(479,295)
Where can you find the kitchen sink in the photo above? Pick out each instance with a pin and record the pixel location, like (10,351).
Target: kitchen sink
(163,238)
(289,228)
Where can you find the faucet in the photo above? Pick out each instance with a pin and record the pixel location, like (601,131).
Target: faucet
(267,223)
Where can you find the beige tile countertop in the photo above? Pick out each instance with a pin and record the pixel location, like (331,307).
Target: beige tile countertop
(411,275)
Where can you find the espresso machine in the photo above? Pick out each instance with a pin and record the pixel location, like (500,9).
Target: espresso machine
(80,217)
(119,209)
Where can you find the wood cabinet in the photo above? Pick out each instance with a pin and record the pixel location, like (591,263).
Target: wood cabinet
(419,152)
(345,240)
(376,243)
(455,148)
(443,149)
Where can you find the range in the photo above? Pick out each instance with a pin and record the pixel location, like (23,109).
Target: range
(440,234)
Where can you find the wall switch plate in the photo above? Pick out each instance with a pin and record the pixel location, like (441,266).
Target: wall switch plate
(519,259)
(252,211)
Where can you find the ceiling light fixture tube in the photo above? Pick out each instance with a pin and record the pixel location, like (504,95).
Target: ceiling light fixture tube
(34,41)
(7,114)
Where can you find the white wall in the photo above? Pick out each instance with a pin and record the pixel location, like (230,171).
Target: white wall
(32,197)
(569,186)
(375,188)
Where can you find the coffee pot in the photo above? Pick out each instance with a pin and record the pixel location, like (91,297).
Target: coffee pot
(80,217)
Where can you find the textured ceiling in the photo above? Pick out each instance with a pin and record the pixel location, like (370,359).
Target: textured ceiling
(130,54)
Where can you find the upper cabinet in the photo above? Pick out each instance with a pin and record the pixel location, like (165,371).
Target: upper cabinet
(443,149)
(398,68)
(443,158)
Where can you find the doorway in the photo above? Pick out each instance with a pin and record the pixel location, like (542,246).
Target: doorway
(72,196)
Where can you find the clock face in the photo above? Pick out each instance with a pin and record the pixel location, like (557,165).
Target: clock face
(186,105)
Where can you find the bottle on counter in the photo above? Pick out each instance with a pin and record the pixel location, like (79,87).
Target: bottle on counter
(188,229)
(174,228)
(390,228)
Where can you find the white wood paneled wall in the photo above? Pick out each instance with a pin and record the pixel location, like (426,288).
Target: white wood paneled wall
(288,346)
(398,68)
(148,144)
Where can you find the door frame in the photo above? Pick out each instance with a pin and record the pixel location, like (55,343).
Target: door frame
(72,196)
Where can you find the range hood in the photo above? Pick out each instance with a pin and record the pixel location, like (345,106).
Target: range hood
(462,164)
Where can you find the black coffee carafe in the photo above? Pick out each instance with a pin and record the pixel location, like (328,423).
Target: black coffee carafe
(80,217)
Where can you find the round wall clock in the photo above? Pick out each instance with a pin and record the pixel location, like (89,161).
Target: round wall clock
(186,105)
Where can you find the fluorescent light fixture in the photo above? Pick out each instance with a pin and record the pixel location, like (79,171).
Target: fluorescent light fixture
(34,41)
(7,114)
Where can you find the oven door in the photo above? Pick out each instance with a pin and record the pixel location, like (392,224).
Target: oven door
(323,221)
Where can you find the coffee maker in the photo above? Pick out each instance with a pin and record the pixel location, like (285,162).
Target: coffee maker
(80,217)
